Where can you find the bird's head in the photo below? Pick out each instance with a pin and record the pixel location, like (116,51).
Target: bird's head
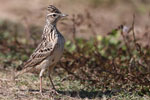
(53,14)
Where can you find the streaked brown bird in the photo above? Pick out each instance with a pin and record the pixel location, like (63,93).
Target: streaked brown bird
(50,49)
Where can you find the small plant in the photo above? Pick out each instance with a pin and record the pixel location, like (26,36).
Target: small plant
(115,62)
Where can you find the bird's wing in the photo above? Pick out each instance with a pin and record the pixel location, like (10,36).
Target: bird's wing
(41,52)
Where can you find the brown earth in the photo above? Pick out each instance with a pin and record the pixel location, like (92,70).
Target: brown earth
(106,16)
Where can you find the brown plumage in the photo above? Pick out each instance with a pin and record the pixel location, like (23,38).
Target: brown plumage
(50,49)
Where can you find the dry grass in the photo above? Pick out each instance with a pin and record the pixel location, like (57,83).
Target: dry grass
(112,66)
(103,67)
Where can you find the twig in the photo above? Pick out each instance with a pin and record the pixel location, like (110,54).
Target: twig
(125,41)
(133,25)
(74,32)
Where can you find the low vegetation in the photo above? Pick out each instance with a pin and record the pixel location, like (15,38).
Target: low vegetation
(114,66)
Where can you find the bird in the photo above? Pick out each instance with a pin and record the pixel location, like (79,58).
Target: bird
(50,49)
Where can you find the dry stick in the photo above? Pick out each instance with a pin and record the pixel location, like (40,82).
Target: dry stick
(16,34)
(148,31)
(133,23)
(74,32)
(125,41)
(89,17)
(124,37)
(138,47)
(74,27)
(149,40)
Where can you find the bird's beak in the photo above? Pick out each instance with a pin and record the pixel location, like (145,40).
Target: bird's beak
(64,15)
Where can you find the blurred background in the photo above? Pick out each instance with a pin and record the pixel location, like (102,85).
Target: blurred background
(107,50)
(106,14)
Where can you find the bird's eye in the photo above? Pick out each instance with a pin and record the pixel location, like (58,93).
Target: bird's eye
(54,15)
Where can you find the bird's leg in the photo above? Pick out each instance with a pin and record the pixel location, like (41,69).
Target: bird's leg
(51,81)
(41,84)
(41,74)
(49,72)
(54,91)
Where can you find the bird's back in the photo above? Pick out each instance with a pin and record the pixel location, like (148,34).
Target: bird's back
(50,50)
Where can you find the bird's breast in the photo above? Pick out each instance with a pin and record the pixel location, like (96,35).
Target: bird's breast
(59,49)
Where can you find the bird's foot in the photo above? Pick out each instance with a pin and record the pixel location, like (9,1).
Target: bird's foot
(53,91)
(41,93)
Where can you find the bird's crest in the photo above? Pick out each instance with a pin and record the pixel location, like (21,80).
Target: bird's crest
(53,9)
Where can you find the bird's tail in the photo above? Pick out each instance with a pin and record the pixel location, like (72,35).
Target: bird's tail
(22,72)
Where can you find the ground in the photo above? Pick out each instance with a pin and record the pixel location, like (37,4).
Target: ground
(101,63)
(26,87)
